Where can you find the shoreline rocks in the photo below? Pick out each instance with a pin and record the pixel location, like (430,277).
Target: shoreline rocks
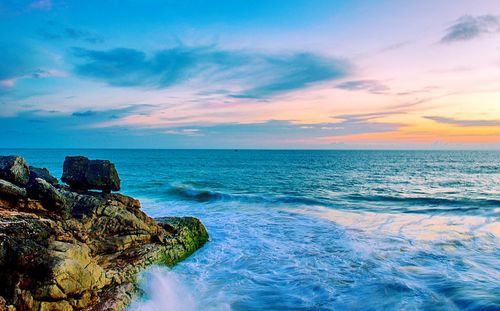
(14,169)
(83,174)
(42,173)
(62,249)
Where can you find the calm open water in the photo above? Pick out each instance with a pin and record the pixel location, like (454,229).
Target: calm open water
(319,230)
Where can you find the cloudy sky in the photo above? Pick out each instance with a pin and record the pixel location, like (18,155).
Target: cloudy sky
(250,74)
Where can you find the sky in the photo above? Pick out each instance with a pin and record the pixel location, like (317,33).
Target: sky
(282,74)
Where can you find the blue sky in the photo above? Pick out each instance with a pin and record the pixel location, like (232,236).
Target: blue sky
(250,74)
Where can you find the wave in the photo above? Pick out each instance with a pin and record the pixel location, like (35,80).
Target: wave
(194,191)
(163,290)
(186,192)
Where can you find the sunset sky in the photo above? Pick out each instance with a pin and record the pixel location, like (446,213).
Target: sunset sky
(250,74)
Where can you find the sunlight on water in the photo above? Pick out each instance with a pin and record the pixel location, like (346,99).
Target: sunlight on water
(420,227)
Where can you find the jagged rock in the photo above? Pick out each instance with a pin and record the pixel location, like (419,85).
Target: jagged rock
(43,173)
(11,191)
(191,232)
(82,174)
(40,189)
(14,169)
(84,254)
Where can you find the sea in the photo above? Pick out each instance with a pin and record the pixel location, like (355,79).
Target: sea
(318,230)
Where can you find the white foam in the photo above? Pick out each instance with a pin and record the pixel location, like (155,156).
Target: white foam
(164,291)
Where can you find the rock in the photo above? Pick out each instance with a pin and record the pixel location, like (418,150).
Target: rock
(14,169)
(80,173)
(11,191)
(190,230)
(43,173)
(65,250)
(51,198)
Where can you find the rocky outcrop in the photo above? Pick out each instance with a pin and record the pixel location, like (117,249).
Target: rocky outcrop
(43,173)
(84,174)
(14,169)
(9,190)
(67,250)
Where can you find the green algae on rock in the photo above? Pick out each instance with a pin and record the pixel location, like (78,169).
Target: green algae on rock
(67,250)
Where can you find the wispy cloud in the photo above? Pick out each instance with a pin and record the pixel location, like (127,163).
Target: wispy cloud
(463,122)
(363,117)
(371,86)
(265,74)
(57,31)
(15,61)
(282,129)
(185,131)
(21,60)
(469,27)
(85,113)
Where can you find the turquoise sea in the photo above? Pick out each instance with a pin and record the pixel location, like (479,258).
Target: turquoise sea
(319,230)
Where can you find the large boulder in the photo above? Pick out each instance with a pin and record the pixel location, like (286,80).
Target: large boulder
(80,173)
(11,191)
(43,173)
(14,169)
(41,190)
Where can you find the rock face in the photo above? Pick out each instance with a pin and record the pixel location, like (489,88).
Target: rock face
(14,169)
(67,250)
(84,174)
(42,173)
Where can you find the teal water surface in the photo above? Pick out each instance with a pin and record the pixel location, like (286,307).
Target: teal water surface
(319,230)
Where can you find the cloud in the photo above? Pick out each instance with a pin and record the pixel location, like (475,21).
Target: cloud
(185,131)
(363,117)
(285,129)
(85,113)
(20,60)
(266,75)
(470,27)
(295,72)
(371,86)
(56,31)
(464,123)
(17,59)
(55,129)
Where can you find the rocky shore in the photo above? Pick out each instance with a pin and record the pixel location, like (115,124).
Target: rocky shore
(71,248)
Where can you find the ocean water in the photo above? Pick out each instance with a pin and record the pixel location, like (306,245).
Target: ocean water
(319,230)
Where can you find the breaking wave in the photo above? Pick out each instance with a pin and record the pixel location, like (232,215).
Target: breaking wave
(199,192)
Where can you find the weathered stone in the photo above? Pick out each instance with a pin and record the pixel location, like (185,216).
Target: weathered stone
(55,306)
(43,173)
(34,205)
(40,189)
(14,169)
(82,174)
(11,191)
(86,253)
(190,232)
